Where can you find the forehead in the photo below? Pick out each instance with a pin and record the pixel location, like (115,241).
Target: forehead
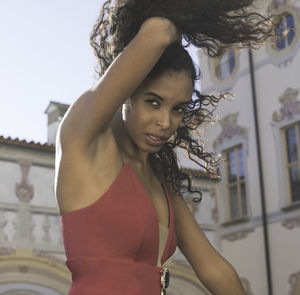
(173,86)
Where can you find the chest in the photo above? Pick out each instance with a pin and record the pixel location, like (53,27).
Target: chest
(157,195)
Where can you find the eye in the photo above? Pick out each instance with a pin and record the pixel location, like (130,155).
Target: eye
(153,102)
(180,110)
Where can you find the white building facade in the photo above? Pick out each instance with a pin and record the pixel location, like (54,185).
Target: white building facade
(258,136)
(261,161)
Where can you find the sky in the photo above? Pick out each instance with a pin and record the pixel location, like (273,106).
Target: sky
(45,56)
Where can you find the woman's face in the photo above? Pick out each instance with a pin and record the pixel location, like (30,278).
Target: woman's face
(156,109)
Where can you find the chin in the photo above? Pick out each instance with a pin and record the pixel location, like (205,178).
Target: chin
(150,149)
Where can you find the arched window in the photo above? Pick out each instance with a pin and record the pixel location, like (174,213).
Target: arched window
(285,30)
(225,66)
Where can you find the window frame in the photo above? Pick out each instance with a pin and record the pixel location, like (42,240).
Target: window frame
(285,40)
(214,62)
(280,56)
(279,128)
(237,183)
(225,219)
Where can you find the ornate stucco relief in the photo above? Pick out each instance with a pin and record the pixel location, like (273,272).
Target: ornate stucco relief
(290,106)
(294,281)
(23,222)
(229,129)
(291,223)
(24,190)
(238,235)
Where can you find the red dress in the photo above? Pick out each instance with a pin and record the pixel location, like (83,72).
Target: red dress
(112,245)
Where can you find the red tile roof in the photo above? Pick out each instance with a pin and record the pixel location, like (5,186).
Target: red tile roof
(24,143)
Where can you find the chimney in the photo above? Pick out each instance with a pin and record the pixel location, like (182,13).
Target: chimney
(55,112)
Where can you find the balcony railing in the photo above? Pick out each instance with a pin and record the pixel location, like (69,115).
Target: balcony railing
(31,227)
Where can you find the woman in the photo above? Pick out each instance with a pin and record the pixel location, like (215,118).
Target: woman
(117,179)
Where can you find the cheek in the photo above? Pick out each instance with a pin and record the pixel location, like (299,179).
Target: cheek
(177,122)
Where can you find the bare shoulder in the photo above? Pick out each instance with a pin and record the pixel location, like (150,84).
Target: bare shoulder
(83,176)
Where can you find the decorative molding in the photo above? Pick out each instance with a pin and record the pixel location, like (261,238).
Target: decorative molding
(256,221)
(44,274)
(230,129)
(283,57)
(294,279)
(23,189)
(231,136)
(229,81)
(22,222)
(286,116)
(238,235)
(290,106)
(291,223)
(53,211)
(21,292)
(6,251)
(45,254)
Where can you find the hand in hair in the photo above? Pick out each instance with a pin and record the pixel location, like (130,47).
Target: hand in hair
(213,25)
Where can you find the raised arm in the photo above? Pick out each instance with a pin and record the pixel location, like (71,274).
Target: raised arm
(90,115)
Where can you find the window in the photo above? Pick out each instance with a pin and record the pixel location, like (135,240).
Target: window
(235,182)
(292,141)
(234,199)
(225,65)
(286,127)
(224,69)
(285,30)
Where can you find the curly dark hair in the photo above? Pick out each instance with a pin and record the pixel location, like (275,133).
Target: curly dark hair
(212,25)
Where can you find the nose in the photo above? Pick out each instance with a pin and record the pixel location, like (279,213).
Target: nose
(164,120)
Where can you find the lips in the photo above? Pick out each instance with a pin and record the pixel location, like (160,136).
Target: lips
(155,140)
(157,137)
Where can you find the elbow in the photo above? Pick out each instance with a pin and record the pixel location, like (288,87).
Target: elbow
(222,279)
(223,273)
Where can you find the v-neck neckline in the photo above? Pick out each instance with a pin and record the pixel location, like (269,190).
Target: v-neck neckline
(155,213)
(148,196)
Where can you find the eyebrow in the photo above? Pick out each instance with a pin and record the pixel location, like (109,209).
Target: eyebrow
(162,99)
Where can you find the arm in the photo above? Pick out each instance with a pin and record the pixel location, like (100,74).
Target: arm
(93,111)
(217,274)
